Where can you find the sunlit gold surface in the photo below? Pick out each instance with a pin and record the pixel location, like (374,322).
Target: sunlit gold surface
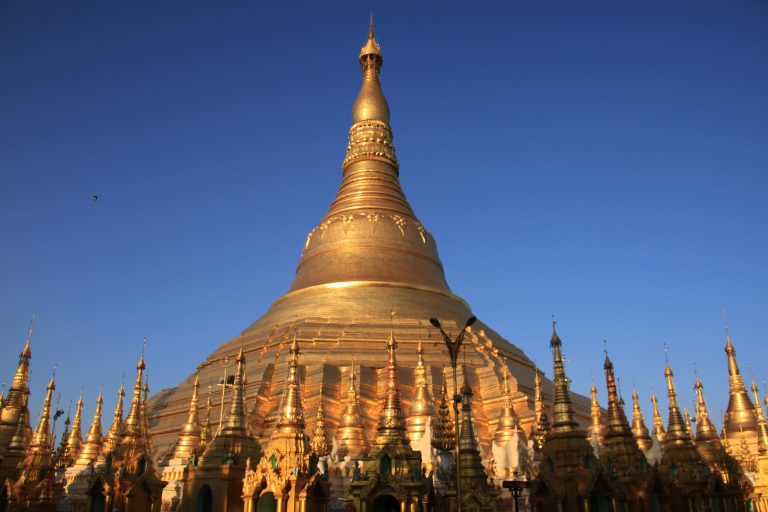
(190,435)
(639,429)
(94,440)
(368,254)
(596,427)
(740,418)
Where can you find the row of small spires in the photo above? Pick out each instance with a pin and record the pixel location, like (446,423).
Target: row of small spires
(96,446)
(36,450)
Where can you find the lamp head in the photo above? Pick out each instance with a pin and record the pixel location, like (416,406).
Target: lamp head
(471,320)
(435,322)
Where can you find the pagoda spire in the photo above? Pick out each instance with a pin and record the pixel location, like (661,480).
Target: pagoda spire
(118,426)
(75,439)
(658,423)
(596,429)
(639,430)
(617,422)
(509,424)
(292,411)
(762,426)
(288,439)
(422,408)
(740,416)
(236,419)
(19,441)
(370,234)
(351,434)
(675,424)
(205,431)
(541,426)
(319,441)
(17,393)
(39,455)
(443,436)
(94,440)
(134,423)
(189,437)
(391,426)
(563,417)
(705,429)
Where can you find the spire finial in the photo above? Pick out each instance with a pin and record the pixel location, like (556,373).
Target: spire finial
(371,33)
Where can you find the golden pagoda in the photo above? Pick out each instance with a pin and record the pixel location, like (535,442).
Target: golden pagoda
(740,416)
(596,429)
(639,430)
(569,477)
(367,255)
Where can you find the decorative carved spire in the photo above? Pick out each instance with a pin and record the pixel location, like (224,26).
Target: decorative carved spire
(658,424)
(443,435)
(236,420)
(19,441)
(596,427)
(472,470)
(205,432)
(740,416)
(675,424)
(75,438)
(705,429)
(42,437)
(617,419)
(352,440)
(39,455)
(541,426)
(563,418)
(509,424)
(118,426)
(319,442)
(17,394)
(92,446)
(762,426)
(370,103)
(687,422)
(639,430)
(61,458)
(391,428)
(134,423)
(422,406)
(292,411)
(189,437)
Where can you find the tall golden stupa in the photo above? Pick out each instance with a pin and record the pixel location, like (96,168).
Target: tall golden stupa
(368,258)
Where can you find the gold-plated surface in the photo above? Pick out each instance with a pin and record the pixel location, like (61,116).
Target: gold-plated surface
(676,431)
(94,440)
(367,255)
(351,433)
(509,423)
(762,426)
(422,407)
(596,429)
(118,425)
(658,424)
(639,429)
(740,418)
(705,429)
(319,441)
(541,426)
(474,479)
(443,434)
(563,417)
(17,394)
(75,437)
(39,454)
(190,435)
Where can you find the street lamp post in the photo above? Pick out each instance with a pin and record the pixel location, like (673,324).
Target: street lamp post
(453,350)
(515,488)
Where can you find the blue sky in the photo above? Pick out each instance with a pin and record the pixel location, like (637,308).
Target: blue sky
(602,162)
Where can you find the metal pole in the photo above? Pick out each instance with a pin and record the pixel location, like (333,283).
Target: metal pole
(225,363)
(456,425)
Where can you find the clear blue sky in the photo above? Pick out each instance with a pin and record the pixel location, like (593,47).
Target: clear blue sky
(604,162)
